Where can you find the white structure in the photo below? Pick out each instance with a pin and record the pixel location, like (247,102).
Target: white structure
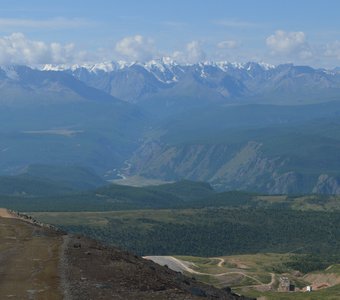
(309,288)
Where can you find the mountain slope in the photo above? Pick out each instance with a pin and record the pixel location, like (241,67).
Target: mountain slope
(52,118)
(49,264)
(164,80)
(25,186)
(260,148)
(203,122)
(21,85)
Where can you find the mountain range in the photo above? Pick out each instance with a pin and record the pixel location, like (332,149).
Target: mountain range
(249,126)
(221,81)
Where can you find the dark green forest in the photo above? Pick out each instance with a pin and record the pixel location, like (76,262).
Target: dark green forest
(187,218)
(220,231)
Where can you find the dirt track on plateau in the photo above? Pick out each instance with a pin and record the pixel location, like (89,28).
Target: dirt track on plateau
(180,266)
(29,258)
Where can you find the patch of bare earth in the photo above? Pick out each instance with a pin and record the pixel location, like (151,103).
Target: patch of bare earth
(322,280)
(29,257)
(4,213)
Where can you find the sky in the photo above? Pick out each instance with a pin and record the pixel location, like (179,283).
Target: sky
(187,31)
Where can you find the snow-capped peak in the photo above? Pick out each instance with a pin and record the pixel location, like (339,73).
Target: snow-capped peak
(266,66)
(110,66)
(162,65)
(94,67)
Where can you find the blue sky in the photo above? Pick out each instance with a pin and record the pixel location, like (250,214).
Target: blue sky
(300,31)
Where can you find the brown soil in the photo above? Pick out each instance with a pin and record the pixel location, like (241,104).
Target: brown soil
(29,257)
(322,280)
(4,213)
(99,272)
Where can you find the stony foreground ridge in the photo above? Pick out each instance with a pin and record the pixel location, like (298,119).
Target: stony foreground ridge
(39,262)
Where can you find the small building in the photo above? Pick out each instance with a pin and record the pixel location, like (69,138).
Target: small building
(309,288)
(285,285)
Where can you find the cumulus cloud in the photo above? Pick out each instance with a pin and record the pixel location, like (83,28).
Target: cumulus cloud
(140,48)
(230,44)
(289,43)
(192,53)
(17,49)
(333,50)
(137,48)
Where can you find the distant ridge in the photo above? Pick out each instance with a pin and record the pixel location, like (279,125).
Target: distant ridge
(220,80)
(169,121)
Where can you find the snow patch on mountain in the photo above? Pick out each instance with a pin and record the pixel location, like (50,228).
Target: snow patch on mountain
(104,66)
(163,65)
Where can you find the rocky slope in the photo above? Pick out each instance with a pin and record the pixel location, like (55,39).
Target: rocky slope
(226,167)
(164,79)
(40,262)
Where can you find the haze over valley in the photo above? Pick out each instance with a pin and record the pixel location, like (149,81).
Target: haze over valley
(243,132)
(185,150)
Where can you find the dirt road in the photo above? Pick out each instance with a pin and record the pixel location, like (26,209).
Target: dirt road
(184,266)
(220,264)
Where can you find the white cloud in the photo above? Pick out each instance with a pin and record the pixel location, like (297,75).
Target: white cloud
(230,44)
(289,43)
(193,53)
(333,50)
(137,48)
(55,23)
(17,49)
